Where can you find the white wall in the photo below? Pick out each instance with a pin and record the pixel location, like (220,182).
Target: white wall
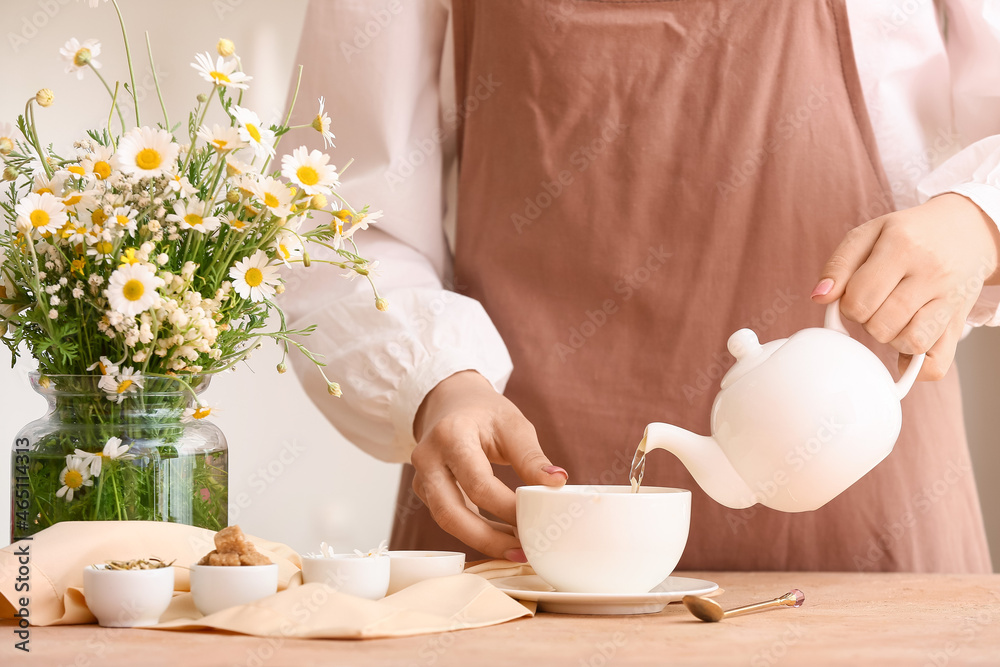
(331,491)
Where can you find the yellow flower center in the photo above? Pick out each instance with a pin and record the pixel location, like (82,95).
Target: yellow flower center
(39,218)
(219,77)
(72,200)
(76,266)
(271,200)
(123,386)
(307,175)
(6,145)
(133,291)
(98,217)
(193,220)
(104,369)
(103,247)
(202,412)
(283,249)
(73,479)
(236,223)
(102,169)
(123,220)
(76,169)
(317,123)
(42,191)
(220,144)
(254,277)
(82,57)
(253,132)
(148,158)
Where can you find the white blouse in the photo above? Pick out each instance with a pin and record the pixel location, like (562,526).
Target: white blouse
(931,78)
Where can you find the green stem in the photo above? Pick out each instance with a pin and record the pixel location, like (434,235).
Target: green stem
(100,491)
(114,98)
(30,121)
(288,117)
(128,57)
(156,83)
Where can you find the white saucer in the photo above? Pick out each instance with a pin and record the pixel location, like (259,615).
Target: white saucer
(533,588)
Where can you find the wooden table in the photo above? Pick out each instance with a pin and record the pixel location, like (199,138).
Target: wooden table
(848,619)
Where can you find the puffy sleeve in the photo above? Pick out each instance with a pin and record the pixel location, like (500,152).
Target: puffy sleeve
(972,36)
(379,69)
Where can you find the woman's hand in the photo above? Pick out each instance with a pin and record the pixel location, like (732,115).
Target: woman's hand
(912,277)
(462,426)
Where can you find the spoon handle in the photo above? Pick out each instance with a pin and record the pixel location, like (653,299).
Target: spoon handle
(793,598)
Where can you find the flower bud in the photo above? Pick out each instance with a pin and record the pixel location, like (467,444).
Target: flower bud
(9,174)
(225,47)
(233,197)
(318,202)
(381,304)
(282,368)
(45,97)
(6,145)
(306,260)
(202,98)
(279,288)
(334,389)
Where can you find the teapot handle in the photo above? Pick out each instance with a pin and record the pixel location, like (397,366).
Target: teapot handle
(832,321)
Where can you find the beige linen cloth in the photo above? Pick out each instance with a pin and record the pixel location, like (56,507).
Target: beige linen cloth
(59,554)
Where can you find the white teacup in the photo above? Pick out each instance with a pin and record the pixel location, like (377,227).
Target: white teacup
(603,539)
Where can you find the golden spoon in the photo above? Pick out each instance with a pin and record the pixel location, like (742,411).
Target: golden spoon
(709,610)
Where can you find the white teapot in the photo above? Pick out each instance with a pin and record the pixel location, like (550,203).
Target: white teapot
(796,422)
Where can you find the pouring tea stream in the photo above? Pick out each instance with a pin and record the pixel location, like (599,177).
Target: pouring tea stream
(796,421)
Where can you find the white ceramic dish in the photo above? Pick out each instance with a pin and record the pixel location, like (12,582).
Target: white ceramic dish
(127,598)
(364,576)
(408,567)
(533,588)
(603,539)
(218,587)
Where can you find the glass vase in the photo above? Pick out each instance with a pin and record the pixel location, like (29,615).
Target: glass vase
(142,455)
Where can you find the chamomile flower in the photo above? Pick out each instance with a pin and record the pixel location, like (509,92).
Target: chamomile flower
(102,248)
(146,151)
(222,73)
(310,171)
(222,139)
(236,167)
(361,221)
(276,196)
(98,163)
(192,216)
(40,213)
(113,450)
(79,56)
(7,140)
(180,185)
(132,289)
(234,221)
(42,184)
(199,412)
(288,246)
(253,132)
(253,279)
(117,386)
(124,219)
(73,477)
(105,365)
(321,123)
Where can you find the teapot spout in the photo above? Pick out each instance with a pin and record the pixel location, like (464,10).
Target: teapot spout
(705,460)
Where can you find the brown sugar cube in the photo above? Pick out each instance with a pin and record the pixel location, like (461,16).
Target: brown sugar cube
(231,540)
(255,558)
(228,559)
(204,559)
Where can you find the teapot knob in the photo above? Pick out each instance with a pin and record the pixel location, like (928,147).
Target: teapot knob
(743,343)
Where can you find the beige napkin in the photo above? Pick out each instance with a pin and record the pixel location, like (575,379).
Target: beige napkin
(59,554)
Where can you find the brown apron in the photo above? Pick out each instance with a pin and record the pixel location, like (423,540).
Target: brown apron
(646,178)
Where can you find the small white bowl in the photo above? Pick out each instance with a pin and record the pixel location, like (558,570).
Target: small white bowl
(408,567)
(127,598)
(218,587)
(363,576)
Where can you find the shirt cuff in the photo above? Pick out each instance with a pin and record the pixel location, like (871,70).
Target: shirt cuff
(417,384)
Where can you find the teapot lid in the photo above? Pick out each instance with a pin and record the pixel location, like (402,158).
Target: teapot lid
(749,354)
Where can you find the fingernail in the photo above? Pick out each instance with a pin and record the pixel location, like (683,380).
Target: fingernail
(515,555)
(555,470)
(822,289)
